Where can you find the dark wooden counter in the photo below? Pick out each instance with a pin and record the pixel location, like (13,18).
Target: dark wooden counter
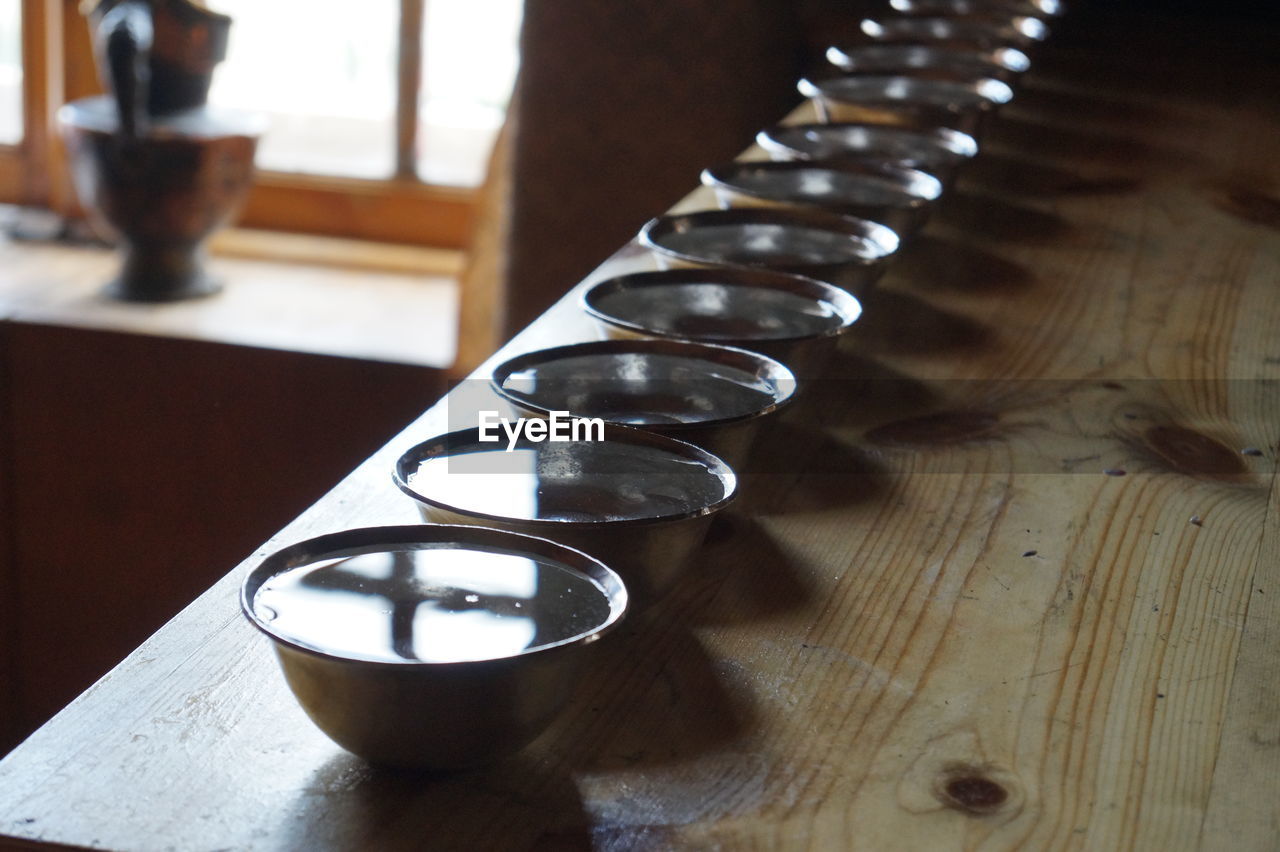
(144,448)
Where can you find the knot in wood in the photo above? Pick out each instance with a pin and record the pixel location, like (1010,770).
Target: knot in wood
(1192,453)
(971,790)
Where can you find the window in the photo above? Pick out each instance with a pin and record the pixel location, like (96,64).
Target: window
(382,113)
(330,96)
(469,66)
(10,72)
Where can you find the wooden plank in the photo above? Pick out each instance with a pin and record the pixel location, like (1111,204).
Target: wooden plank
(1243,810)
(994,585)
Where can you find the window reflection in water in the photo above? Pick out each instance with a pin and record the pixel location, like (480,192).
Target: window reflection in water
(589,481)
(435,605)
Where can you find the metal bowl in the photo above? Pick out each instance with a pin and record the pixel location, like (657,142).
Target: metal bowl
(432,647)
(906,101)
(981,32)
(844,251)
(640,502)
(937,151)
(794,319)
(898,198)
(714,397)
(1005,64)
(954,8)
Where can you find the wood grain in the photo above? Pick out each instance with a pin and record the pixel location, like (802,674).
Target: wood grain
(1006,584)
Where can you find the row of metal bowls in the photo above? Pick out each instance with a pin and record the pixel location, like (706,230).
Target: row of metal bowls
(453,643)
(899,111)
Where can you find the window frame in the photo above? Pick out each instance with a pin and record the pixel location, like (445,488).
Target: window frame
(58,67)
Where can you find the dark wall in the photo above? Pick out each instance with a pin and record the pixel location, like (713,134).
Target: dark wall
(618,108)
(138,470)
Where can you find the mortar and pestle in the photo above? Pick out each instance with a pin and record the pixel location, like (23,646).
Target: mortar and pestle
(154,165)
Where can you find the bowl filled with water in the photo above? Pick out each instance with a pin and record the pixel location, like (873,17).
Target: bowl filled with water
(715,397)
(638,501)
(938,151)
(897,197)
(844,251)
(1006,64)
(795,320)
(432,647)
(982,31)
(906,101)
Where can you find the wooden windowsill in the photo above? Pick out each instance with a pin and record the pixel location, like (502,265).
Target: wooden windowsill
(299,293)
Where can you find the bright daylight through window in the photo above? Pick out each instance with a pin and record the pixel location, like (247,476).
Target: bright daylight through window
(330,86)
(10,72)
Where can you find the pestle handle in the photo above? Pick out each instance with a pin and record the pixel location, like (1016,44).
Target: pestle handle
(125,37)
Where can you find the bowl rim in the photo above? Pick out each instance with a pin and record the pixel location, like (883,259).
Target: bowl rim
(782,380)
(1003,58)
(956,145)
(410,458)
(909,183)
(1032,8)
(1017,30)
(988,91)
(843,302)
(361,540)
(881,237)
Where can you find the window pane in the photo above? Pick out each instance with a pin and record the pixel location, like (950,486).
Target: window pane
(470,55)
(325,74)
(10,72)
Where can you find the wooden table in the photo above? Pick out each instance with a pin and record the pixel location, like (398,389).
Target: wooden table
(1011,583)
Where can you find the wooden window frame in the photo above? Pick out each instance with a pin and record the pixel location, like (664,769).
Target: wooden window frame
(58,67)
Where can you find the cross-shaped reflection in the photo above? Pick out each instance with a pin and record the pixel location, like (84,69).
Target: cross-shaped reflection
(405,592)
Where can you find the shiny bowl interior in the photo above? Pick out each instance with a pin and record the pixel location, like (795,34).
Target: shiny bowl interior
(1017,31)
(435,646)
(796,240)
(953,8)
(735,307)
(847,185)
(1003,63)
(638,501)
(935,150)
(668,384)
(554,485)
(950,95)
(791,318)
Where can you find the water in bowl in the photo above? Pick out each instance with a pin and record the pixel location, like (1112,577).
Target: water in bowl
(641,388)
(582,481)
(711,311)
(770,245)
(440,604)
(823,186)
